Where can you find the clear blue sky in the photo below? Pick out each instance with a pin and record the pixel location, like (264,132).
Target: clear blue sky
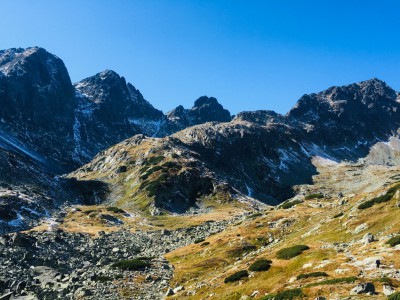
(248,54)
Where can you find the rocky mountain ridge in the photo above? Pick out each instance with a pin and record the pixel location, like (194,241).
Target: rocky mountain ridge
(258,154)
(53,126)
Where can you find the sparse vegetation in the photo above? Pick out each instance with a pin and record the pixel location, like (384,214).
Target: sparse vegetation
(381,199)
(288,253)
(260,265)
(334,281)
(285,295)
(150,171)
(103,278)
(395,296)
(131,264)
(115,210)
(338,215)
(239,250)
(154,160)
(237,276)
(313,274)
(394,241)
(290,204)
(255,215)
(314,196)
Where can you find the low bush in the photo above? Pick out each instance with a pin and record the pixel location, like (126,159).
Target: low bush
(103,278)
(290,204)
(395,296)
(198,241)
(285,295)
(205,244)
(150,171)
(313,274)
(239,250)
(381,199)
(394,241)
(154,160)
(314,196)
(131,264)
(115,210)
(237,276)
(367,204)
(255,215)
(260,265)
(338,215)
(288,253)
(334,281)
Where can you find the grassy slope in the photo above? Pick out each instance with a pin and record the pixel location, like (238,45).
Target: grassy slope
(203,268)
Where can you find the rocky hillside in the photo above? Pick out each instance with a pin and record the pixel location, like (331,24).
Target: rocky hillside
(323,243)
(258,154)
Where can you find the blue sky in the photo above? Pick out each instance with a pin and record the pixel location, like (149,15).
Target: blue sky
(248,54)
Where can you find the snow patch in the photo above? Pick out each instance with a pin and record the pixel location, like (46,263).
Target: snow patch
(12,144)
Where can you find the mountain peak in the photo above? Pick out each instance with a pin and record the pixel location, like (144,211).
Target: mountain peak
(204,100)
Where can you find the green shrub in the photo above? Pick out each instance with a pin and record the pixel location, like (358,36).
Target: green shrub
(385,280)
(205,244)
(255,215)
(103,278)
(290,204)
(334,281)
(198,241)
(154,160)
(395,296)
(285,295)
(115,210)
(260,265)
(171,165)
(150,171)
(314,196)
(239,250)
(394,241)
(313,274)
(338,215)
(237,276)
(288,253)
(367,204)
(131,264)
(381,199)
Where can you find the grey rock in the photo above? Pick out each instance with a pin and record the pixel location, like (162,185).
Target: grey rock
(368,238)
(363,288)
(169,292)
(388,290)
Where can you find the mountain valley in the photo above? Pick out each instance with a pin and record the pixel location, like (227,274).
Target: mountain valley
(103,196)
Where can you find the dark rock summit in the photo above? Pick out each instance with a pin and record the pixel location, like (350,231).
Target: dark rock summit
(351,116)
(205,109)
(37,102)
(110,110)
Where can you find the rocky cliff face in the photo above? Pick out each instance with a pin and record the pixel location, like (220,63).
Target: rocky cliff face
(37,102)
(348,119)
(110,110)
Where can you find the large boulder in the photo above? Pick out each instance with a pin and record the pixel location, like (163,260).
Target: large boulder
(363,288)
